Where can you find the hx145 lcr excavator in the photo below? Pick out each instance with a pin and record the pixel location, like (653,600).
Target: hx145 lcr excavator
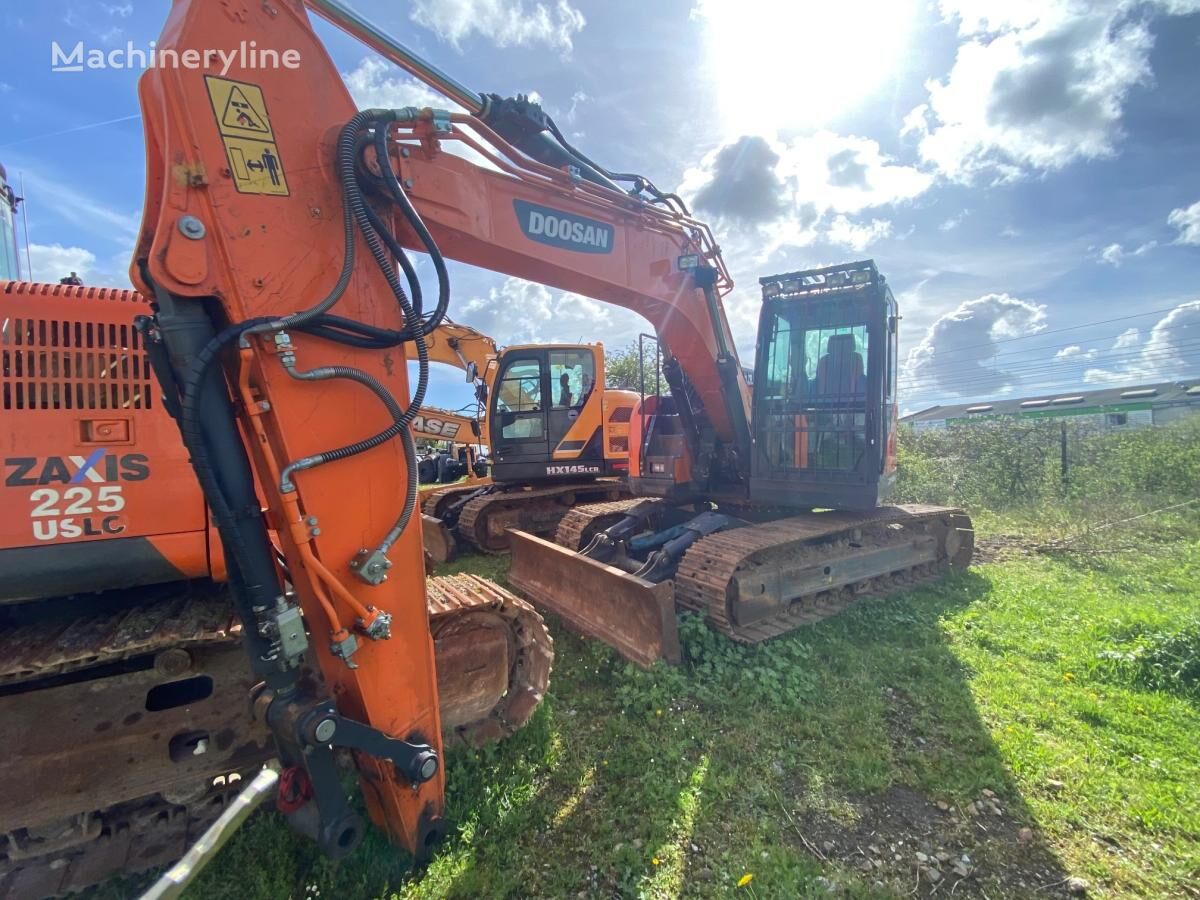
(556,435)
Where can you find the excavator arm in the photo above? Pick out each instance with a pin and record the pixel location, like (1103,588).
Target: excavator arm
(280,338)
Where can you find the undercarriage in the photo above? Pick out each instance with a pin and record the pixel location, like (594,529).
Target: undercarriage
(129,727)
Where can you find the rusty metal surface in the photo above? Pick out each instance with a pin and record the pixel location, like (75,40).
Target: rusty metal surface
(440,545)
(91,752)
(485,521)
(122,839)
(635,617)
(469,617)
(712,568)
(186,614)
(105,739)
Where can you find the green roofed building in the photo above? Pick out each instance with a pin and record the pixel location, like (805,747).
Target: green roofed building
(1116,407)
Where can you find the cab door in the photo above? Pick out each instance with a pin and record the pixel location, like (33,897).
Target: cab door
(573,426)
(519,434)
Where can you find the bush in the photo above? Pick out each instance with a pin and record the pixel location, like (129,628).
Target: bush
(1167,660)
(1002,465)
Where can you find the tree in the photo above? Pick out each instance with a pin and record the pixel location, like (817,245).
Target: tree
(621,369)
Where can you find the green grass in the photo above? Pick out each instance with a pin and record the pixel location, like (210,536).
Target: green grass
(677,782)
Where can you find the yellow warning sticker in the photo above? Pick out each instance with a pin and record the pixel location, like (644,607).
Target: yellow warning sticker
(256,167)
(245,127)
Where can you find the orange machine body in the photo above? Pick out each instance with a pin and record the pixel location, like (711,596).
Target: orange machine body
(271,242)
(538,433)
(93,461)
(91,458)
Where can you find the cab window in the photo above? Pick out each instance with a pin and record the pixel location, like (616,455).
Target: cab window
(572,377)
(519,400)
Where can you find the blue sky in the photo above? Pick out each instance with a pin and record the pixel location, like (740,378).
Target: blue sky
(1025,173)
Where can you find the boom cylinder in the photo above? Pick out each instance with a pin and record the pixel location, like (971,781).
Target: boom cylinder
(337,13)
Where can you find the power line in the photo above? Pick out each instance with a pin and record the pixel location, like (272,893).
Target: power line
(985,384)
(73,130)
(1044,385)
(1026,337)
(982,369)
(962,376)
(1075,343)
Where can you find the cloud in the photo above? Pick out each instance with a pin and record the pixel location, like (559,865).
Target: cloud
(1035,86)
(86,213)
(857,237)
(1075,352)
(1115,254)
(375,84)
(1127,338)
(1172,350)
(523,312)
(1187,221)
(124,10)
(953,356)
(50,262)
(506,23)
(796,192)
(743,183)
(953,222)
(577,98)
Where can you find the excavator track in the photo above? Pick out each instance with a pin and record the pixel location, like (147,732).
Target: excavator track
(461,605)
(714,571)
(435,501)
(484,521)
(441,546)
(581,523)
(91,680)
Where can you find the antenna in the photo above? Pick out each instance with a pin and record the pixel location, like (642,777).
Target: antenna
(25,219)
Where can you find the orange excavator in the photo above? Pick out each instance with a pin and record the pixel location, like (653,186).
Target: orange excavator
(556,440)
(279,334)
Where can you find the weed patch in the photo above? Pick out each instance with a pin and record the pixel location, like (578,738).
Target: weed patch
(1160,660)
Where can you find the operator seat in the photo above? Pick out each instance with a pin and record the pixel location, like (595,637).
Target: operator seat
(840,371)
(838,433)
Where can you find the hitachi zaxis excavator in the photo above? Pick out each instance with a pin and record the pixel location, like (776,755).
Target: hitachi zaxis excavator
(276,215)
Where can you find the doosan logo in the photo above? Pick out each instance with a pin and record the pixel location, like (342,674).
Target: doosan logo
(563,229)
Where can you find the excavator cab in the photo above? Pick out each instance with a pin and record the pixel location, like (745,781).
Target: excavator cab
(545,417)
(824,389)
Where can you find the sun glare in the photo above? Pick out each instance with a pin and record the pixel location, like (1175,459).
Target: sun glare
(780,65)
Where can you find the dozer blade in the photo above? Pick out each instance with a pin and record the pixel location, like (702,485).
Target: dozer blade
(634,616)
(439,542)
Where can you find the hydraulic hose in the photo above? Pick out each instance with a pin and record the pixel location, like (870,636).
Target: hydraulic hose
(400,422)
(641,181)
(418,226)
(318,321)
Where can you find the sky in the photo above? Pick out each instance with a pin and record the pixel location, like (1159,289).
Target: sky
(1023,173)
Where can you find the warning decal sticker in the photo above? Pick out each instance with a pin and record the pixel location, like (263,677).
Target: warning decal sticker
(245,126)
